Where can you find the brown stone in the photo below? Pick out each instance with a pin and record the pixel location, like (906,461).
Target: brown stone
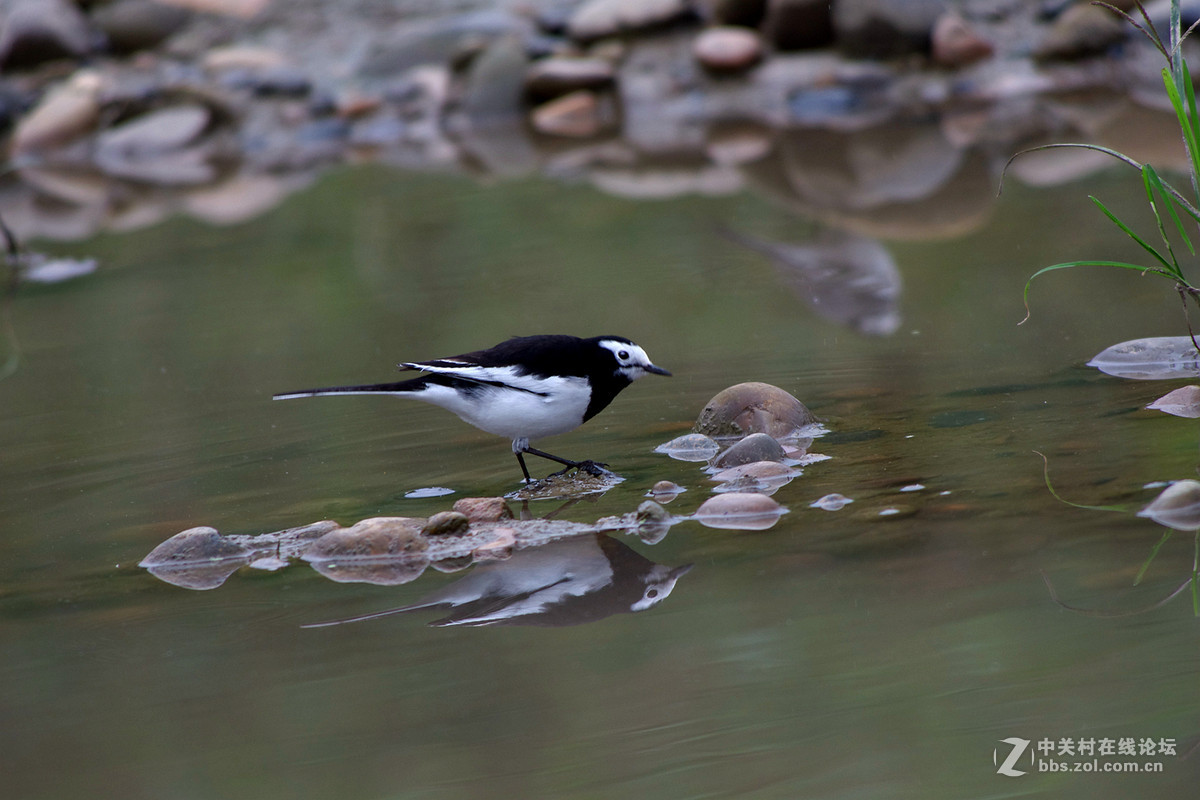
(728,49)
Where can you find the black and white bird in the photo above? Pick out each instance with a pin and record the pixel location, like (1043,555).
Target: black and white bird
(566,582)
(524,389)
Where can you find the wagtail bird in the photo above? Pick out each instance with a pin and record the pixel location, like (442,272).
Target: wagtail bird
(567,582)
(525,388)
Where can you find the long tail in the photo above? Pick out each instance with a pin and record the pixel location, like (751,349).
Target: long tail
(396,387)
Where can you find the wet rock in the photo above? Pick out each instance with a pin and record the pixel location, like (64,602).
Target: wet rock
(596,19)
(155,147)
(195,545)
(483,509)
(154,132)
(650,512)
(665,491)
(371,538)
(690,447)
(727,48)
(798,24)
(63,114)
(1183,402)
(956,43)
(1177,506)
(132,25)
(1152,358)
(755,447)
(499,548)
(386,551)
(653,522)
(765,477)
(578,115)
(443,42)
(239,198)
(36,31)
(198,558)
(242,57)
(739,511)
(1081,30)
(447,523)
(831,502)
(753,407)
(882,29)
(554,77)
(735,143)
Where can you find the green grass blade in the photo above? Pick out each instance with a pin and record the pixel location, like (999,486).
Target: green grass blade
(1170,269)
(1073,264)
(1154,184)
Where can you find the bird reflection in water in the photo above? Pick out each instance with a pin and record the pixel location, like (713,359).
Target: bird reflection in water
(566,582)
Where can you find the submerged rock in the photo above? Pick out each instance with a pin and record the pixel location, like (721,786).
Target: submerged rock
(198,558)
(690,447)
(1153,358)
(753,408)
(754,448)
(1183,402)
(739,511)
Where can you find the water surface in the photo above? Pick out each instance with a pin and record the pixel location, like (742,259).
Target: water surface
(839,654)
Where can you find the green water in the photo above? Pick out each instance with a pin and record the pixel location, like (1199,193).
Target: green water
(839,654)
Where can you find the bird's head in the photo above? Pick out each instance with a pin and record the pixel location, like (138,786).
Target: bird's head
(660,580)
(630,360)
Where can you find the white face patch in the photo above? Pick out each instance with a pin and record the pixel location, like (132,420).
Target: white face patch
(631,359)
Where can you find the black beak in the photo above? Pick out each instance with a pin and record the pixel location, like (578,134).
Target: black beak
(656,370)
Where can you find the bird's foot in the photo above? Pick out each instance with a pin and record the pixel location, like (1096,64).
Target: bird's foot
(593,468)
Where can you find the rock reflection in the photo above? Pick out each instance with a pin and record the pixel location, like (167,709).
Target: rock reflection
(805,103)
(846,278)
(567,582)
(386,551)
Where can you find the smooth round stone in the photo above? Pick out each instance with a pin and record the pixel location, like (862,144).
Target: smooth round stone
(552,77)
(755,447)
(665,491)
(63,114)
(831,502)
(598,18)
(739,511)
(447,523)
(131,25)
(193,546)
(690,447)
(956,44)
(371,538)
(763,470)
(1183,402)
(753,407)
(727,48)
(483,509)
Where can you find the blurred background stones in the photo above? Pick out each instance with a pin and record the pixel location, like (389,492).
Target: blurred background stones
(116,114)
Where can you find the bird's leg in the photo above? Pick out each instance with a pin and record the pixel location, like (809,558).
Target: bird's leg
(588,466)
(521,446)
(524,469)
